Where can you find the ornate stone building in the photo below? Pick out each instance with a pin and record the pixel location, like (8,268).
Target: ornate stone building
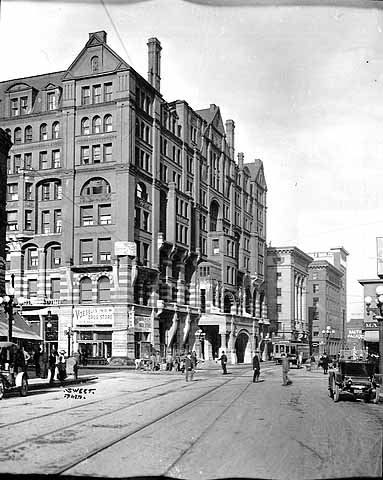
(5,145)
(132,224)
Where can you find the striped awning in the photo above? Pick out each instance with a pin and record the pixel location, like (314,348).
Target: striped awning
(20,328)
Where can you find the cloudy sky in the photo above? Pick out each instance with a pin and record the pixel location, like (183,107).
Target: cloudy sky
(303,83)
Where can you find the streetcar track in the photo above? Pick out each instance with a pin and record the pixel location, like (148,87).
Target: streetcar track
(37,438)
(94,402)
(123,437)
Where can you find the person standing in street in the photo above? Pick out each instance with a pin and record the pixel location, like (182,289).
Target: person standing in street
(189,367)
(285,369)
(52,364)
(44,360)
(36,360)
(223,360)
(256,367)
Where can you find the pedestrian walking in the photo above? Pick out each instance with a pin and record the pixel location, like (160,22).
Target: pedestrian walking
(256,367)
(189,367)
(52,364)
(223,360)
(325,362)
(285,369)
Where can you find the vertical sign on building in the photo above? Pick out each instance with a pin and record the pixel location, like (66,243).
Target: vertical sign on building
(379,256)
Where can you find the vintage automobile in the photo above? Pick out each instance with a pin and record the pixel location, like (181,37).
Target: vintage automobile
(355,379)
(9,380)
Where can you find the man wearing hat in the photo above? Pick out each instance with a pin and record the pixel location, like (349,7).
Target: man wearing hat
(256,367)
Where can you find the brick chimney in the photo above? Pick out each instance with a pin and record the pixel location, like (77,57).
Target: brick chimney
(230,136)
(101,36)
(241,159)
(154,62)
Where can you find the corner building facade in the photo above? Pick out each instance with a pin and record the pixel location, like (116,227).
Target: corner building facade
(131,226)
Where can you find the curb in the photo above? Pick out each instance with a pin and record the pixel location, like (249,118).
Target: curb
(47,385)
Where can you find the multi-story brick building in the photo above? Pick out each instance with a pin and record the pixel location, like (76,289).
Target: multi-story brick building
(132,224)
(5,145)
(324,299)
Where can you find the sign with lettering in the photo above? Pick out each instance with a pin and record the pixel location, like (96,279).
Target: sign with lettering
(125,248)
(93,316)
(143,324)
(371,325)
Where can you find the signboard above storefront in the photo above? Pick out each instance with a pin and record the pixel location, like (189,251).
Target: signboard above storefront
(93,315)
(123,248)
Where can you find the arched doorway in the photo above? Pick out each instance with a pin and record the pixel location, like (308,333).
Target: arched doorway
(242,347)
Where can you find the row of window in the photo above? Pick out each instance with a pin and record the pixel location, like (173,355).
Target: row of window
(142,160)
(96,154)
(97,94)
(48,190)
(98,125)
(95,215)
(103,253)
(27,136)
(22,106)
(182,233)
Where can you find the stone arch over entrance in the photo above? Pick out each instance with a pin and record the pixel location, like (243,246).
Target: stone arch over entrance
(243,347)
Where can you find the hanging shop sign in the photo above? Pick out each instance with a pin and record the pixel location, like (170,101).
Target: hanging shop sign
(93,316)
(142,324)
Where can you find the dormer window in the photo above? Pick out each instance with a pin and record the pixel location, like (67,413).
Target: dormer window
(15,107)
(51,101)
(23,105)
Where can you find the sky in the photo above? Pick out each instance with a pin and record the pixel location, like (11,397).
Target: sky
(303,84)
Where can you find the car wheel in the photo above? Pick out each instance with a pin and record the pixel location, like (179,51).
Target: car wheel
(2,389)
(24,387)
(336,396)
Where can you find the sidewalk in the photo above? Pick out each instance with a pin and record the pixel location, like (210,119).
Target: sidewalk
(42,383)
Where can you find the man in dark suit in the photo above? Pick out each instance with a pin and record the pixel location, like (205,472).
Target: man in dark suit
(223,360)
(256,367)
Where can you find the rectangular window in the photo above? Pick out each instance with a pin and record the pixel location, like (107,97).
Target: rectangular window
(86,251)
(84,155)
(279,291)
(85,96)
(86,214)
(23,105)
(17,165)
(12,191)
(57,221)
(108,152)
(315,288)
(28,220)
(104,215)
(12,221)
(56,257)
(137,218)
(145,221)
(96,153)
(57,194)
(55,288)
(51,101)
(43,161)
(145,254)
(32,288)
(56,159)
(104,250)
(215,246)
(14,107)
(45,222)
(108,91)
(33,258)
(96,93)
(27,161)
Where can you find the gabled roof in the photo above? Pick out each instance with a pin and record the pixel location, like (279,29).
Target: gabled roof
(212,116)
(95,58)
(257,172)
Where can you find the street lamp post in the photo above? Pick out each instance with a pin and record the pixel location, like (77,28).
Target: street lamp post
(379,318)
(9,302)
(69,332)
(327,334)
(200,337)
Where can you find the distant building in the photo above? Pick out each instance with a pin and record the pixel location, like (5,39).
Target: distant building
(287,277)
(370,323)
(324,298)
(133,226)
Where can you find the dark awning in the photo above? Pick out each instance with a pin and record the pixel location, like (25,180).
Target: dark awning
(20,329)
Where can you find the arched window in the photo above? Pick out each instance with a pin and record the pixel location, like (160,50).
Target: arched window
(94,64)
(96,186)
(85,130)
(85,290)
(103,290)
(96,125)
(108,127)
(28,134)
(8,132)
(17,135)
(43,132)
(214,208)
(56,130)
(141,191)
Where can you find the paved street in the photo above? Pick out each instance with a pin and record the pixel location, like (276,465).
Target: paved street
(214,427)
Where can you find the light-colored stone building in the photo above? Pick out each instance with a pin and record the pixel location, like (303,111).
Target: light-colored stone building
(133,225)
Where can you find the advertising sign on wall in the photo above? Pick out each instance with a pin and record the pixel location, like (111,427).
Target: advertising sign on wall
(93,315)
